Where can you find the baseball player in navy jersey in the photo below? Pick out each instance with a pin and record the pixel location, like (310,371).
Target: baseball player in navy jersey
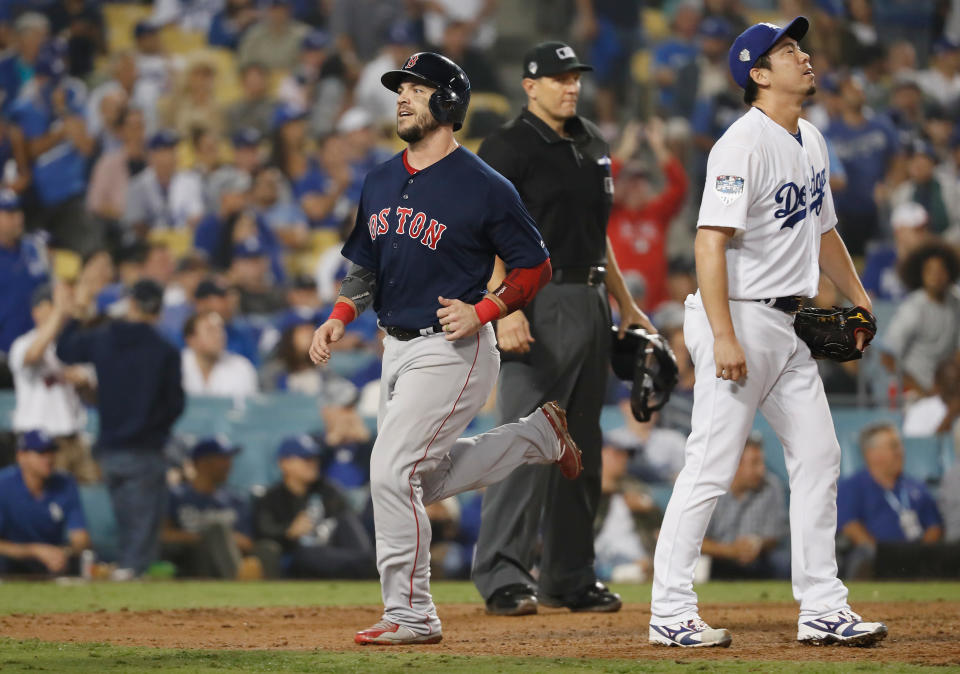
(766,231)
(430,222)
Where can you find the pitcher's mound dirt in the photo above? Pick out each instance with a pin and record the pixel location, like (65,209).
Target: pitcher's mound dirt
(920,632)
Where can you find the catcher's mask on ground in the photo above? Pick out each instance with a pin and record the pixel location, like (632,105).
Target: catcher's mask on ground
(648,361)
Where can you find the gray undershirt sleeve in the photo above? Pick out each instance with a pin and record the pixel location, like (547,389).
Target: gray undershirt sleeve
(359,286)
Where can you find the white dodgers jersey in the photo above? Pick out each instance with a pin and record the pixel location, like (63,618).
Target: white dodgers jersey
(776,193)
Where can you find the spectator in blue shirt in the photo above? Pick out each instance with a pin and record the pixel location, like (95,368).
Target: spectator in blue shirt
(230,23)
(30,32)
(880,504)
(139,397)
(42,528)
(242,337)
(23,267)
(867,146)
(675,63)
(50,112)
(208,528)
(219,233)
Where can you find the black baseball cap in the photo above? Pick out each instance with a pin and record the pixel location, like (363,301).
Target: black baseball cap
(209,288)
(551,58)
(42,293)
(147,294)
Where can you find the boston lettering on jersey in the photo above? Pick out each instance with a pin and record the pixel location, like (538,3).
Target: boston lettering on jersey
(435,232)
(794,199)
(379,225)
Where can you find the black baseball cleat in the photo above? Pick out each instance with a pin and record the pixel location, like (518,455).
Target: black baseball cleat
(516,599)
(595,598)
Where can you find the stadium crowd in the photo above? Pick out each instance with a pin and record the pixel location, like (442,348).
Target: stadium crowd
(177,182)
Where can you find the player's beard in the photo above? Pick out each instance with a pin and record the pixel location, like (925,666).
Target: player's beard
(423,124)
(811,91)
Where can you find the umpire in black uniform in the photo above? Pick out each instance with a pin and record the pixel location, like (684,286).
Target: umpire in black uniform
(557,348)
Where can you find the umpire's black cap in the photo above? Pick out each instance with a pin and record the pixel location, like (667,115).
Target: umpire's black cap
(551,58)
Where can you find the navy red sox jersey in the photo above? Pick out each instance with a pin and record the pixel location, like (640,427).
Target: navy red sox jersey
(435,232)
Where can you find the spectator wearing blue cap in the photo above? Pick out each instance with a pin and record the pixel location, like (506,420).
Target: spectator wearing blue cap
(42,527)
(941,81)
(311,519)
(221,231)
(256,105)
(230,23)
(370,94)
(868,147)
(50,112)
(23,267)
(674,62)
(209,369)
(925,186)
(272,199)
(246,159)
(48,391)
(714,35)
(208,529)
(242,336)
(275,39)
(318,83)
(139,398)
(251,275)
(155,68)
(324,189)
(161,196)
(30,31)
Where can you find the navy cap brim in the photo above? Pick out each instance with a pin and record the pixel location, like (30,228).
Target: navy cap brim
(392,79)
(795,29)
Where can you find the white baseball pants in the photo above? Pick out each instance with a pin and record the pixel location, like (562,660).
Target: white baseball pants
(430,390)
(784,384)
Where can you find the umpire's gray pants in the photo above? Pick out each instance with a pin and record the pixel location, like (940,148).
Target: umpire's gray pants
(568,362)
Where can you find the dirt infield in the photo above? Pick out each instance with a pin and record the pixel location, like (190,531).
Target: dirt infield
(920,632)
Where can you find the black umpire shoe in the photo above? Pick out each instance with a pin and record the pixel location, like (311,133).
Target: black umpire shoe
(595,598)
(516,599)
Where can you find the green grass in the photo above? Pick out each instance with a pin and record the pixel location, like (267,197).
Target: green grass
(18,597)
(22,656)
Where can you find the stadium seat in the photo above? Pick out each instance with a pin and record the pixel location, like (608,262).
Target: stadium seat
(66,264)
(922,459)
(640,66)
(304,261)
(179,241)
(656,25)
(179,41)
(661,494)
(120,20)
(610,418)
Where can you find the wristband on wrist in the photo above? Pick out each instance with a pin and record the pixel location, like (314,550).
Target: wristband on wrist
(487,310)
(343,312)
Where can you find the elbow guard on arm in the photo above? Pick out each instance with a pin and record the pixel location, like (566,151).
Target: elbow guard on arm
(516,291)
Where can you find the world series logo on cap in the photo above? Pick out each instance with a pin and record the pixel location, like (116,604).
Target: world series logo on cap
(532,67)
(744,55)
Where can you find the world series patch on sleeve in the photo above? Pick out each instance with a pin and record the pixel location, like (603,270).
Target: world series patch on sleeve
(728,188)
